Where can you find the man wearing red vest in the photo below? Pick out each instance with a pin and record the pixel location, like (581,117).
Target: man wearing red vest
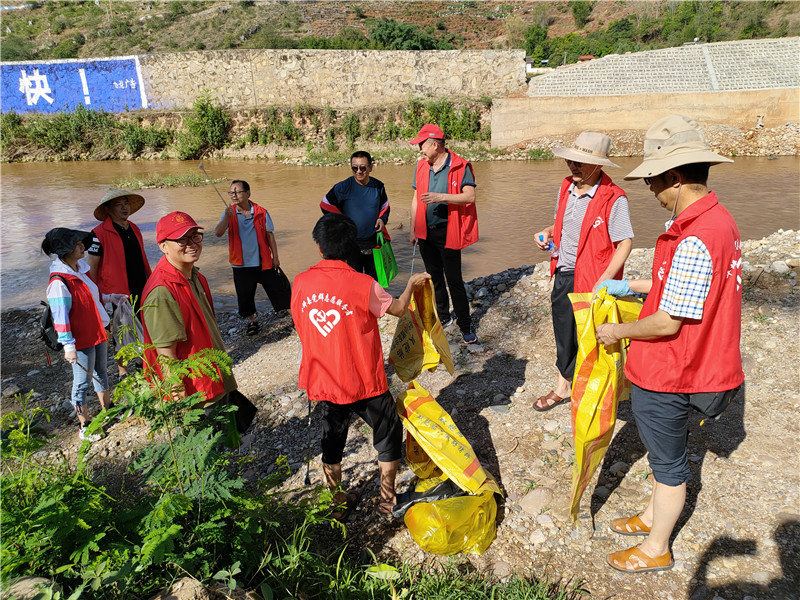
(335,311)
(253,253)
(686,340)
(117,260)
(444,221)
(178,312)
(589,242)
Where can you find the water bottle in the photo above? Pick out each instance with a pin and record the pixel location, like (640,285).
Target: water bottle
(551,247)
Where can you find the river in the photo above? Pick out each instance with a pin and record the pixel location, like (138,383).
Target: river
(515,200)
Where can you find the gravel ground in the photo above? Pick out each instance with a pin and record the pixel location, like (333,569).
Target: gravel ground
(739,536)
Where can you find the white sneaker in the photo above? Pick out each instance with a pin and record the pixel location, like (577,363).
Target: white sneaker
(95,437)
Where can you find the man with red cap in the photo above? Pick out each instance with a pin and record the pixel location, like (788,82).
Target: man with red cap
(177,308)
(444,221)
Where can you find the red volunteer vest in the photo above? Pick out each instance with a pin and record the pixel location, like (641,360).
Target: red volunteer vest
(112,274)
(703,356)
(235,241)
(342,355)
(462,219)
(84,318)
(197,334)
(595,247)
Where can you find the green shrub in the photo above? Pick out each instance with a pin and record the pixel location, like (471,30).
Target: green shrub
(540,154)
(352,128)
(205,129)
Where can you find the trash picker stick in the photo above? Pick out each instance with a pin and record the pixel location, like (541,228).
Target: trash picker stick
(203,169)
(414,256)
(308,445)
(85,370)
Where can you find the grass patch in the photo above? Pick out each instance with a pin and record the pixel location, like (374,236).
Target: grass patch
(540,154)
(155,180)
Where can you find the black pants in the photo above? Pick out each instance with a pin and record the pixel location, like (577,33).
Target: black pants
(363,262)
(445,264)
(246,280)
(564,328)
(379,412)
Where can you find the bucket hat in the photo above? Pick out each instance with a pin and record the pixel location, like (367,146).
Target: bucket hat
(590,147)
(671,142)
(429,131)
(101,212)
(174,226)
(62,241)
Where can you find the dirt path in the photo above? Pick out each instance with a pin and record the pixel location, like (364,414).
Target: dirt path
(739,536)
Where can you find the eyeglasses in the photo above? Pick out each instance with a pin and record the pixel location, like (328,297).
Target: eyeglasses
(234,193)
(195,238)
(359,168)
(647,180)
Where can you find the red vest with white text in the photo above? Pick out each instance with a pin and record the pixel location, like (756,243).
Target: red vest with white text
(342,359)
(84,318)
(112,273)
(197,334)
(595,247)
(462,219)
(235,240)
(703,356)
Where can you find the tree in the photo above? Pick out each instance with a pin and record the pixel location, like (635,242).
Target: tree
(580,12)
(388,34)
(536,44)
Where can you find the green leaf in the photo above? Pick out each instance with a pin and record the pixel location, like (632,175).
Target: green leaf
(383,571)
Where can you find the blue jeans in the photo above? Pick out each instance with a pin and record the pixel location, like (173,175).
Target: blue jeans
(94,361)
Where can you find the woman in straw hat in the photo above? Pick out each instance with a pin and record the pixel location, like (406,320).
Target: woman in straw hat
(591,239)
(685,344)
(117,260)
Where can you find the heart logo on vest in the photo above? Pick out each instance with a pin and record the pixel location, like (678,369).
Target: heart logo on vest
(324,321)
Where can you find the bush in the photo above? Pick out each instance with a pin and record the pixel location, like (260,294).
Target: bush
(580,12)
(352,128)
(206,129)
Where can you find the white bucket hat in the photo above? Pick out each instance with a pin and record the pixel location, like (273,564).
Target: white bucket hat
(671,142)
(590,147)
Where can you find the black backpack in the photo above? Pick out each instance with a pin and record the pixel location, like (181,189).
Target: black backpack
(47,333)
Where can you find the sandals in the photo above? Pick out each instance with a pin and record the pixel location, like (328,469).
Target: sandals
(632,526)
(634,560)
(253,328)
(343,507)
(549,401)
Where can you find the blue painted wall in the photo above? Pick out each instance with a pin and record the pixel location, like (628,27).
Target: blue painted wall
(114,85)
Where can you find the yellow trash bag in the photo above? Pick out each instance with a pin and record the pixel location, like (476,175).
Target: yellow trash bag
(598,385)
(452,525)
(419,342)
(419,462)
(435,432)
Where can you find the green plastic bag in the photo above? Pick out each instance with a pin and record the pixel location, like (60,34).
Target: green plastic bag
(385,264)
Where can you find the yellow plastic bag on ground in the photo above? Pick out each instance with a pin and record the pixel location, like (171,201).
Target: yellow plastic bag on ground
(452,525)
(435,432)
(598,385)
(419,342)
(418,460)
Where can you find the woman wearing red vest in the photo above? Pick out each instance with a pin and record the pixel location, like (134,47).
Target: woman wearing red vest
(589,242)
(79,318)
(686,340)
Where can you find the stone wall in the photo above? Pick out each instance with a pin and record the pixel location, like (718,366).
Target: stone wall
(341,79)
(723,66)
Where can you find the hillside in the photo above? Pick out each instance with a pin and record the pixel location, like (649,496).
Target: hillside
(46,30)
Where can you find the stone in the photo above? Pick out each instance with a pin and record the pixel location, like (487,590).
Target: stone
(549,425)
(501,569)
(780,267)
(185,589)
(761,577)
(538,537)
(618,469)
(499,408)
(537,499)
(474,348)
(33,372)
(10,390)
(26,588)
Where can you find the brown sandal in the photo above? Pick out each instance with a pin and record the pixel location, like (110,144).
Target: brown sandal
(346,506)
(632,526)
(639,561)
(550,400)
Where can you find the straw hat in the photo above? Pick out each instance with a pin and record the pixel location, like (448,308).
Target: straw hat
(671,142)
(590,147)
(101,212)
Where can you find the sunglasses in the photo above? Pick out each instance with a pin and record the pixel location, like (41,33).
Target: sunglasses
(195,238)
(647,180)
(359,168)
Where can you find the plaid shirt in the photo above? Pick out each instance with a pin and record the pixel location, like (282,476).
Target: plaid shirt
(688,281)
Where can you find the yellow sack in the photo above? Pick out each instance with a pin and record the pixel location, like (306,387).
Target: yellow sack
(419,342)
(434,430)
(598,385)
(419,462)
(452,525)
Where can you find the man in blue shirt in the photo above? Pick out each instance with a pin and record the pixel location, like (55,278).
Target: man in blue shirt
(363,199)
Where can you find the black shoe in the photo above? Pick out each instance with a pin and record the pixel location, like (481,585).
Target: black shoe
(253,328)
(447,321)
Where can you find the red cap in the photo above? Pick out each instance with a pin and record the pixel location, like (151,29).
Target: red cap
(174,226)
(428,132)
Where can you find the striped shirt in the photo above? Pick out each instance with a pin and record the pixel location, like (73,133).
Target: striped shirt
(688,281)
(60,300)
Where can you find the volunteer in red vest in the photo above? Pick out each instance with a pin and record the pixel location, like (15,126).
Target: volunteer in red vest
(117,260)
(444,221)
(336,311)
(79,318)
(589,242)
(686,340)
(178,311)
(252,252)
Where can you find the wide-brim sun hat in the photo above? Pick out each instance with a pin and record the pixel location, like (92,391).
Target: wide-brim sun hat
(101,212)
(62,241)
(590,147)
(672,142)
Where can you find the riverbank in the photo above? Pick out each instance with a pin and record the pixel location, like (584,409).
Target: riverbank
(741,535)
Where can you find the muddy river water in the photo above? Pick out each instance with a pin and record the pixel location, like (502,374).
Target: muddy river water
(515,200)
